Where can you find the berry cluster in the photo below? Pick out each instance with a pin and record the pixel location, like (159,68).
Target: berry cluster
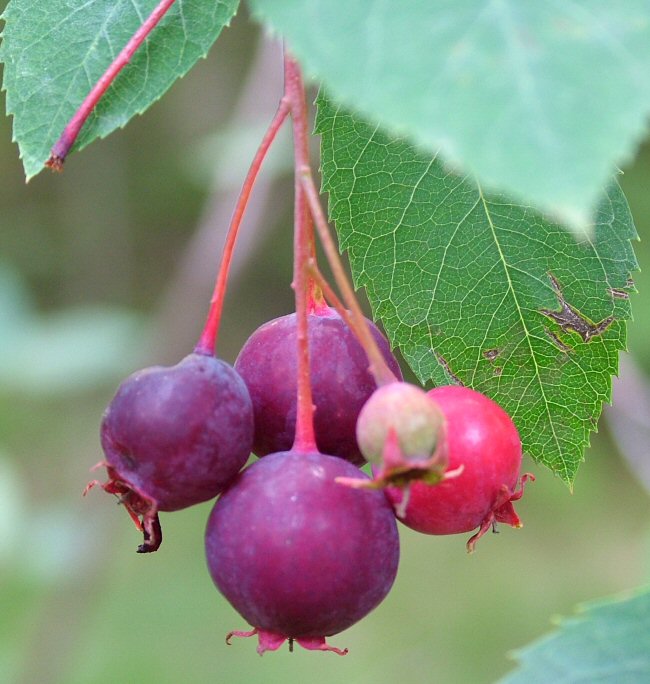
(303,543)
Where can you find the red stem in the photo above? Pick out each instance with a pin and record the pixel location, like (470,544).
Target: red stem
(303,247)
(330,296)
(66,141)
(378,366)
(207,341)
(315,301)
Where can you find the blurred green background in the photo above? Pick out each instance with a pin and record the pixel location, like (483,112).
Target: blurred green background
(109,267)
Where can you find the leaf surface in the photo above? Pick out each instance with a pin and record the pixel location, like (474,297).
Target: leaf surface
(479,290)
(607,642)
(55,51)
(538,99)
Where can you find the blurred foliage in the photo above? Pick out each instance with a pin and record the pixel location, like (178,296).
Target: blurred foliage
(79,606)
(36,348)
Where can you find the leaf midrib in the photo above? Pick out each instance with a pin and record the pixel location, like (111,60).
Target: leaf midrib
(522,320)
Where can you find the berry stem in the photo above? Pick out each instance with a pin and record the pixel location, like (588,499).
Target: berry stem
(62,146)
(207,341)
(305,439)
(378,367)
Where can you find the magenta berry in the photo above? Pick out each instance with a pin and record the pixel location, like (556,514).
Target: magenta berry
(176,436)
(341,382)
(299,556)
(483,440)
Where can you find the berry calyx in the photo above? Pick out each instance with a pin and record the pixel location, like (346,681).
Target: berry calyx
(269,641)
(174,437)
(481,438)
(142,509)
(298,556)
(340,380)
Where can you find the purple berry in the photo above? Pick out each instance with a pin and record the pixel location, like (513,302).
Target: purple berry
(341,382)
(176,436)
(299,556)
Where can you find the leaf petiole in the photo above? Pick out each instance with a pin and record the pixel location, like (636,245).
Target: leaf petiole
(64,144)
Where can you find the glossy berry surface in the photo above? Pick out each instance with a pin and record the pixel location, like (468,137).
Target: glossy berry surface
(295,553)
(341,382)
(177,435)
(482,439)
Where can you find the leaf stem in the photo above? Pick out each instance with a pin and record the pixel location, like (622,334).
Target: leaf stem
(305,439)
(378,366)
(62,146)
(207,341)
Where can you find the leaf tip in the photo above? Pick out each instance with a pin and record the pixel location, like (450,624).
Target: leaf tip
(569,480)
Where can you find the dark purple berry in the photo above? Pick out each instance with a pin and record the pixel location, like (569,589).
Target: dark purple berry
(299,556)
(341,382)
(176,436)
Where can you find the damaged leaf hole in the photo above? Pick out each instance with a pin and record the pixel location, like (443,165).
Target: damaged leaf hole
(569,318)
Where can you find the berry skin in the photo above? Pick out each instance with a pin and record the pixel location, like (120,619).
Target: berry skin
(341,382)
(297,555)
(483,440)
(175,436)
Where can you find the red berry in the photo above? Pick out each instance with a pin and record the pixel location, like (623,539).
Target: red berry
(482,439)
(299,556)
(341,382)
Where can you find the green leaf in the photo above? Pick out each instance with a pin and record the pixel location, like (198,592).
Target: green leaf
(538,99)
(479,290)
(55,51)
(608,642)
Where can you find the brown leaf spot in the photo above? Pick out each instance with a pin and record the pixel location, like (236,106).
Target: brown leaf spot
(491,354)
(443,362)
(571,319)
(617,293)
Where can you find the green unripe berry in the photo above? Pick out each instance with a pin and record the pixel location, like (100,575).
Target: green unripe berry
(408,410)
